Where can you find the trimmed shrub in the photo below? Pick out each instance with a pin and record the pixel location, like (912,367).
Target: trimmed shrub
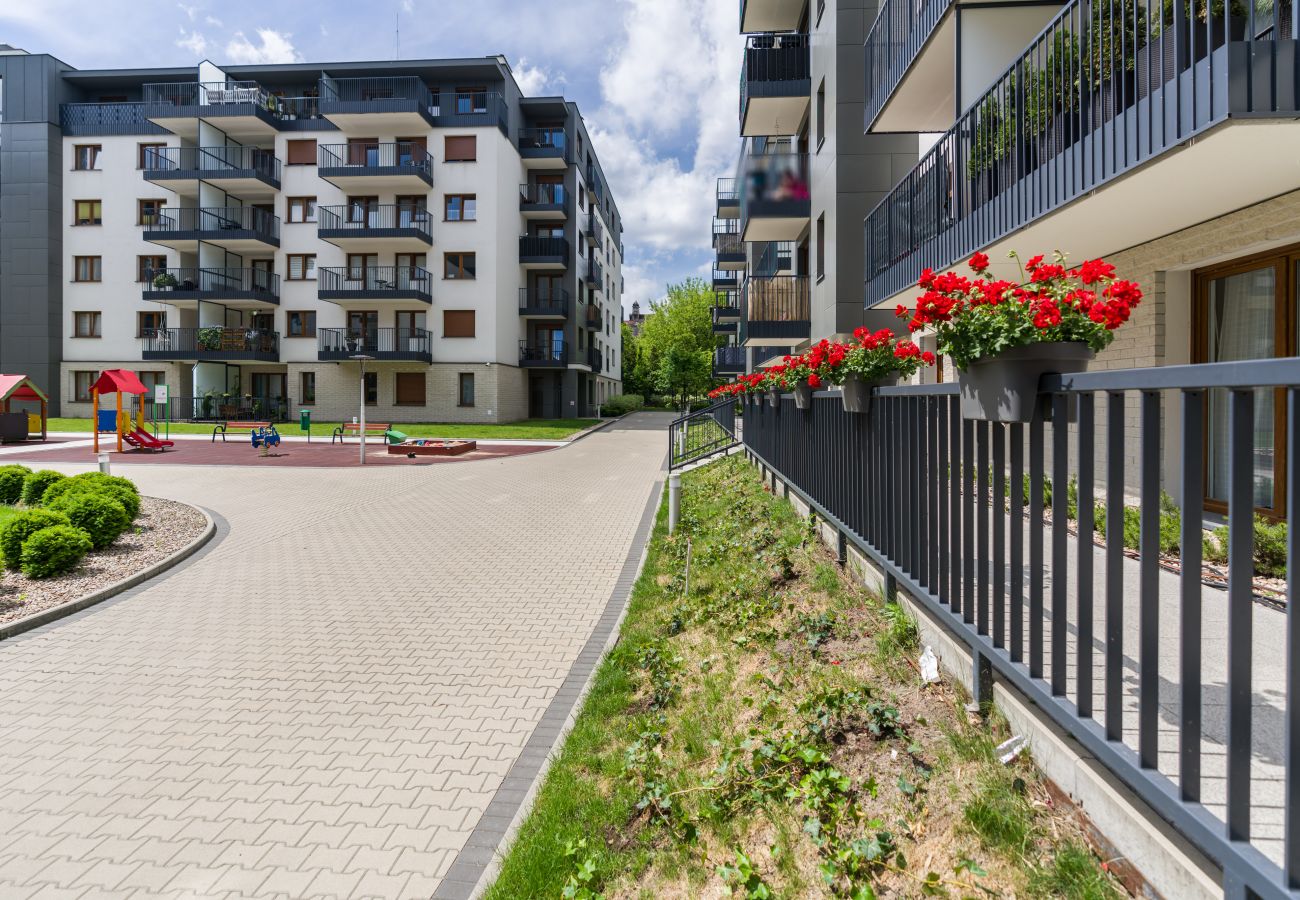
(35,485)
(54,550)
(100,515)
(1268,551)
(23,526)
(120,489)
(621,404)
(11,483)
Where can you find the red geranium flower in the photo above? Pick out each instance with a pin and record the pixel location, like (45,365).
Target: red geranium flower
(979,262)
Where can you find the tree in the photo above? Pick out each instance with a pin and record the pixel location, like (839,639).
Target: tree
(675,348)
(634,380)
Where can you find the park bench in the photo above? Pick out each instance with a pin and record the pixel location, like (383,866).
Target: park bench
(237,426)
(350,428)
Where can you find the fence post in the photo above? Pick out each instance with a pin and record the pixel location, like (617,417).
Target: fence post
(981,688)
(674,500)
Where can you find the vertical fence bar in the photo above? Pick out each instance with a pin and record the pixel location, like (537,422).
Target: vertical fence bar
(1017,521)
(942,468)
(934,416)
(982,526)
(1115,565)
(921,532)
(903,510)
(1189,639)
(1036,547)
(954,501)
(1291,797)
(968,521)
(999,534)
(1060,540)
(1149,584)
(1083,516)
(1241,573)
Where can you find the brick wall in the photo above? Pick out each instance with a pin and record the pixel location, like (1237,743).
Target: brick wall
(176,376)
(500,392)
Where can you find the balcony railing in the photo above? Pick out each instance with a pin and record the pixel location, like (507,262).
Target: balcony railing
(542,194)
(592,229)
(595,360)
(212,162)
(776,308)
(552,302)
(725,279)
(213,98)
(384,94)
(470,108)
(594,319)
(378,221)
(900,31)
(535,354)
(385,344)
(726,191)
(594,274)
(212,343)
(594,190)
(1093,97)
(543,249)
(1156,674)
(777,256)
(775,65)
(189,283)
(375,282)
(397,158)
(208,223)
(728,361)
(543,143)
(93,119)
(775,185)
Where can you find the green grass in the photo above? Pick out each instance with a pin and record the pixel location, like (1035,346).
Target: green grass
(7,513)
(526,429)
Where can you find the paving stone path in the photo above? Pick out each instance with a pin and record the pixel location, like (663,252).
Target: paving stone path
(325,700)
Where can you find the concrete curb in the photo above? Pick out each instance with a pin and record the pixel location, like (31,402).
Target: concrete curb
(44,617)
(599,426)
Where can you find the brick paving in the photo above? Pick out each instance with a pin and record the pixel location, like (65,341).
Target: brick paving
(324,701)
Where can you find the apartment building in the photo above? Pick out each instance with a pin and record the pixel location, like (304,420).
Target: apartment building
(1160,136)
(254,236)
(787,232)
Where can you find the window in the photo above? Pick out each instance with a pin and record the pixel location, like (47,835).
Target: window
(461,208)
(410,389)
(457,323)
(148,324)
(88,212)
(821,114)
(372,389)
(821,246)
(301,323)
(466,389)
(460,149)
(148,212)
(471,100)
(82,382)
(146,267)
(359,262)
(147,155)
(87,268)
(302,267)
(458,266)
(151,380)
(85,157)
(302,209)
(308,381)
(410,324)
(86,325)
(300,153)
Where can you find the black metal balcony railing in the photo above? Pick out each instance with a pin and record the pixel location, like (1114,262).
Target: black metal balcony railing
(775,65)
(383,94)
(212,343)
(537,143)
(595,274)
(92,119)
(212,162)
(533,248)
(378,282)
(554,301)
(900,31)
(218,408)
(726,191)
(218,97)
(776,308)
(292,109)
(1111,649)
(776,256)
(229,222)
(551,353)
(592,229)
(594,319)
(595,359)
(377,221)
(391,344)
(396,158)
(190,283)
(728,361)
(775,184)
(1092,97)
(594,188)
(542,194)
(725,279)
(470,108)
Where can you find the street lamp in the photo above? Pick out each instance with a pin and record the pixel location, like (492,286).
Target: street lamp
(361,358)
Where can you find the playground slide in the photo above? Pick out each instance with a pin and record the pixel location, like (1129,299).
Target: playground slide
(146,441)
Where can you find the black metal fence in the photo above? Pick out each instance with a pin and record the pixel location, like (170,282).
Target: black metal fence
(702,433)
(956,512)
(209,162)
(216,407)
(355,220)
(217,221)
(232,283)
(900,31)
(360,156)
(773,58)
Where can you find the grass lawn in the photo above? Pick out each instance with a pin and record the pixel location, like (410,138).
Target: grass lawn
(526,429)
(7,513)
(760,731)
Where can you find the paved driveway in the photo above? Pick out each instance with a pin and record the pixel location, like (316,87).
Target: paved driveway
(325,700)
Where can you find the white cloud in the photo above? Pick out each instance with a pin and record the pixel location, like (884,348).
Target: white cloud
(213,21)
(192,41)
(275,47)
(191,11)
(408,6)
(534,81)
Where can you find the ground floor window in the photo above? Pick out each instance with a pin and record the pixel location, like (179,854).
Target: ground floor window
(410,389)
(372,389)
(81,385)
(466,388)
(308,382)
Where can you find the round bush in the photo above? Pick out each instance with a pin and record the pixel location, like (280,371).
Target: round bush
(620,404)
(11,483)
(54,550)
(95,512)
(35,485)
(120,489)
(23,526)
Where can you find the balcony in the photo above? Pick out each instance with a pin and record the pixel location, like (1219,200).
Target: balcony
(728,200)
(212,344)
(543,201)
(552,303)
(1043,167)
(394,104)
(105,119)
(399,167)
(543,252)
(776,203)
(728,361)
(725,279)
(725,319)
(728,246)
(470,109)
(358,227)
(776,258)
(771,15)
(244,108)
(911,54)
(246,171)
(232,287)
(726,306)
(592,230)
(544,148)
(595,360)
(240,229)
(593,275)
(774,311)
(543,355)
(342,283)
(595,193)
(775,84)
(381,344)
(593,320)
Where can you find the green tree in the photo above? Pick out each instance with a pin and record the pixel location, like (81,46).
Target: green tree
(684,373)
(675,348)
(634,380)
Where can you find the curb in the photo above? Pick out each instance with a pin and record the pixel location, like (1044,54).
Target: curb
(592,429)
(45,616)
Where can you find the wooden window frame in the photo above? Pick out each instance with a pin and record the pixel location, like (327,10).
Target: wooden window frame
(158,258)
(302,387)
(460,256)
(139,322)
(140,218)
(76,157)
(460,390)
(473,318)
(143,149)
(99,267)
(367,379)
(447,144)
(446,207)
(289,207)
(298,143)
(288,266)
(76,220)
(397,391)
(86,398)
(97,324)
(307,332)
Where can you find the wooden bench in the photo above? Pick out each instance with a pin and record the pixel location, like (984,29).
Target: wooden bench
(237,426)
(348,428)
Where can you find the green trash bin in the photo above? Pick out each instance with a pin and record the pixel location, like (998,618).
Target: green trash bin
(394,437)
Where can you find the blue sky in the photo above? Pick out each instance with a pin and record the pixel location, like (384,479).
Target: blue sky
(656,79)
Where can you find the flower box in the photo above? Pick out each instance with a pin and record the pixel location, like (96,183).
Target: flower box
(1004,387)
(803,393)
(856,392)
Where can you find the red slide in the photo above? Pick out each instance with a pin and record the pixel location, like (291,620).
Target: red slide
(143,440)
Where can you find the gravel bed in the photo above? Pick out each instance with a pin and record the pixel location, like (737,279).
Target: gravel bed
(162,528)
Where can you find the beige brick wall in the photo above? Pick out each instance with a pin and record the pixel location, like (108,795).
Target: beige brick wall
(500,392)
(176,375)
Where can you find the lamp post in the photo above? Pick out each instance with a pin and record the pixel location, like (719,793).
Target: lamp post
(361,358)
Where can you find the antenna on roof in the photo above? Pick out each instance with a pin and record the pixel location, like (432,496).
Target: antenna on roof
(397,35)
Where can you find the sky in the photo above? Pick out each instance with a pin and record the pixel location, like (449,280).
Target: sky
(656,80)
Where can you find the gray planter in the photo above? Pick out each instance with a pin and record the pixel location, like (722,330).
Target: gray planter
(856,391)
(1004,388)
(803,395)
(774,396)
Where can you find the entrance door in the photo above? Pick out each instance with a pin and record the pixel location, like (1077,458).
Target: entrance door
(363,211)
(363,152)
(363,331)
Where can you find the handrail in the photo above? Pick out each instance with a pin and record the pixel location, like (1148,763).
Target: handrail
(701,434)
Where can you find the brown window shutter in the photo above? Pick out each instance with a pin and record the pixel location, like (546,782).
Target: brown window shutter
(301,153)
(461,149)
(410,388)
(458,323)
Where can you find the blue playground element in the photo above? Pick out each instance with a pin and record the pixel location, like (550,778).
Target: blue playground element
(265,437)
(107,421)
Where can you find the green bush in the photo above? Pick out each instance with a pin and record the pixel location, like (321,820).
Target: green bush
(621,404)
(1171,524)
(35,485)
(11,483)
(23,526)
(54,550)
(120,489)
(100,515)
(1268,550)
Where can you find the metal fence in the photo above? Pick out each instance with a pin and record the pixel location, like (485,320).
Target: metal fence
(702,433)
(955,512)
(773,58)
(211,161)
(901,29)
(360,155)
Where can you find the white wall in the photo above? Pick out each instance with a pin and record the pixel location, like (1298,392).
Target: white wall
(990,39)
